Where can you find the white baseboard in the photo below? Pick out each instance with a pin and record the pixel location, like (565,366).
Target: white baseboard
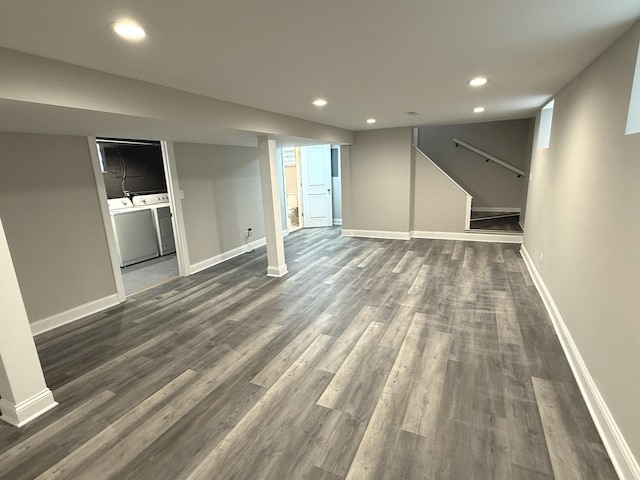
(470,237)
(210,262)
(22,413)
(277,271)
(376,234)
(337,221)
(497,209)
(73,314)
(625,463)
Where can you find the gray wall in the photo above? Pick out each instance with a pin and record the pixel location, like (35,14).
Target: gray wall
(440,205)
(582,214)
(377,185)
(222,197)
(51,214)
(490,184)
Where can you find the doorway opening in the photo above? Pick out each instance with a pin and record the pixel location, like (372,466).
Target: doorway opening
(293,205)
(312,193)
(140,211)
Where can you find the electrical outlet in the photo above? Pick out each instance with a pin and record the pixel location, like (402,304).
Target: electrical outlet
(248,232)
(541,257)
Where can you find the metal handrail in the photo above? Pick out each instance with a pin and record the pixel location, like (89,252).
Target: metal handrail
(488,156)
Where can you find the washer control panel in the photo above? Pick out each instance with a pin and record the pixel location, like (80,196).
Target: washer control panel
(152,199)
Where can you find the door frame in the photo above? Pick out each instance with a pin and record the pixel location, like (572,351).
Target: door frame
(177,220)
(175,202)
(302,181)
(106,217)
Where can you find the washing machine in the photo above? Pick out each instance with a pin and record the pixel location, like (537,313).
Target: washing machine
(135,231)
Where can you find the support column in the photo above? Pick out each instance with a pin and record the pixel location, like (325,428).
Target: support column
(272,206)
(24,392)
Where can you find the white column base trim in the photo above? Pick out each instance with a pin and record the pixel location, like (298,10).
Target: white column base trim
(210,262)
(24,412)
(625,463)
(376,234)
(73,314)
(470,237)
(337,221)
(278,271)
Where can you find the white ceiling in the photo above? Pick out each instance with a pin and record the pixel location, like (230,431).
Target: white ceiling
(369,58)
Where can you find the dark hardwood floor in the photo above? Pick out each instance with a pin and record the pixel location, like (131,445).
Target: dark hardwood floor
(371,359)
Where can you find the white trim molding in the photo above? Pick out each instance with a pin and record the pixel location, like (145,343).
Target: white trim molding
(623,460)
(337,221)
(467,212)
(497,209)
(210,262)
(175,201)
(470,237)
(376,234)
(74,314)
(441,170)
(106,218)
(24,412)
(277,271)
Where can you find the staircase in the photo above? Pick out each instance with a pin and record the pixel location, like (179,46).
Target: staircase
(443,208)
(501,221)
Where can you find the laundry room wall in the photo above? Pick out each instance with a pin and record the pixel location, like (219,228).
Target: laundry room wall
(222,198)
(52,219)
(141,166)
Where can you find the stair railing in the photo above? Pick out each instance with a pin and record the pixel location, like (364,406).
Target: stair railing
(488,156)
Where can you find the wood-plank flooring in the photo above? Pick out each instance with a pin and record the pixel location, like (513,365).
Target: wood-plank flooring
(371,359)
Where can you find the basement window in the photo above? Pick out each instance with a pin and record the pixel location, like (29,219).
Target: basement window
(633,118)
(544,129)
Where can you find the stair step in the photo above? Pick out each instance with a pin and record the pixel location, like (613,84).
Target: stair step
(494,217)
(495,232)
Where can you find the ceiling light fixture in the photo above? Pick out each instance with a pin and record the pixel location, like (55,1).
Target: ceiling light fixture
(129,30)
(478,110)
(319,102)
(371,121)
(477,82)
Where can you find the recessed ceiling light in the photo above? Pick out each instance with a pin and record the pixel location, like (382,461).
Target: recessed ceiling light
(478,110)
(477,82)
(371,121)
(319,102)
(130,30)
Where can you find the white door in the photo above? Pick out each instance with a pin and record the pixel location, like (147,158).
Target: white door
(316,186)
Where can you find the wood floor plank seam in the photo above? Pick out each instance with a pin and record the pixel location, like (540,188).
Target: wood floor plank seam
(371,359)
